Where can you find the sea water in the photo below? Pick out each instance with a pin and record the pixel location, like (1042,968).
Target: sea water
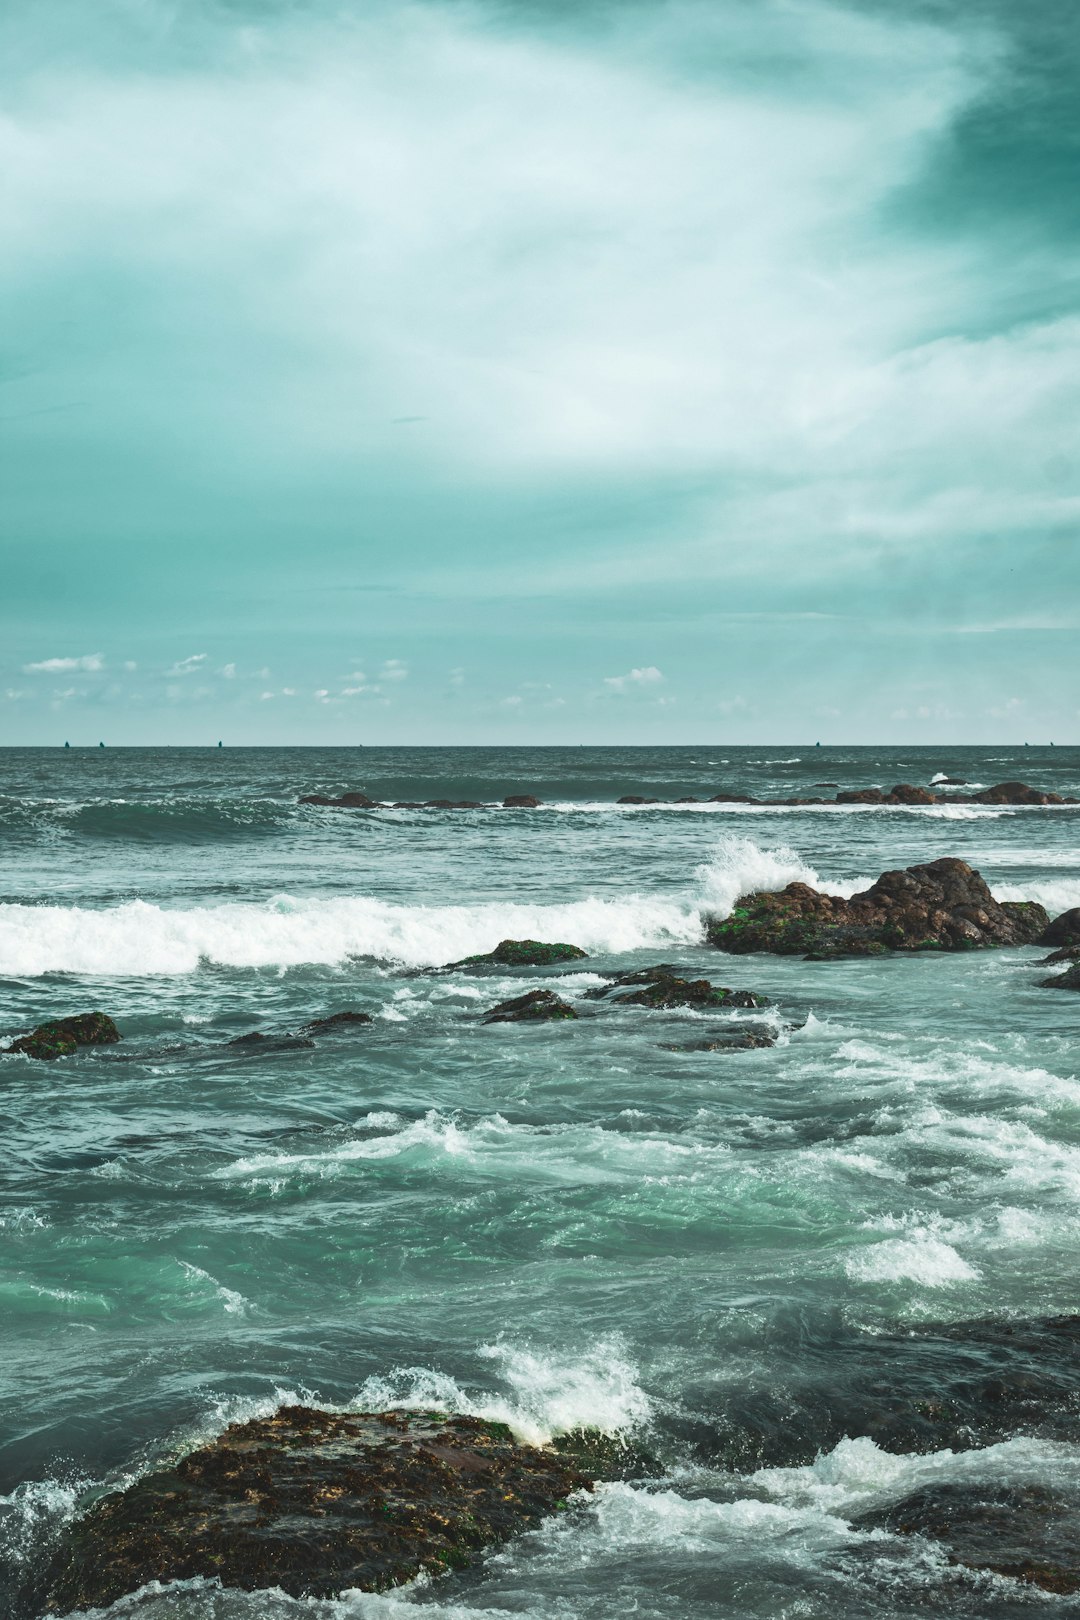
(575,1223)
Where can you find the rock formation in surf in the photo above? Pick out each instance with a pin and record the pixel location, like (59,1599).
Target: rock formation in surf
(62,1036)
(535,1007)
(944,905)
(517,953)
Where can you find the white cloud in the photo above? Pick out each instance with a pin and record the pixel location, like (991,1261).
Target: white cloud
(188,666)
(394,669)
(91,662)
(635,679)
(509,702)
(228,671)
(457,676)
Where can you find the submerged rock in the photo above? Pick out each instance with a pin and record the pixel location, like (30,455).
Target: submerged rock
(59,1037)
(524,953)
(944,905)
(1026,1532)
(663,987)
(536,1006)
(336,1021)
(316,1503)
(739,1038)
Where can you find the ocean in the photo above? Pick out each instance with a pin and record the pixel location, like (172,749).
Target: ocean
(735,1255)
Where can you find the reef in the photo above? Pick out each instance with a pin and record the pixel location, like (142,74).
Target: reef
(517,953)
(536,1006)
(944,905)
(59,1037)
(318,1503)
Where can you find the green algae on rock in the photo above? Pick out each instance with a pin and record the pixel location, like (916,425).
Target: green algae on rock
(534,1007)
(524,953)
(944,905)
(315,1503)
(59,1037)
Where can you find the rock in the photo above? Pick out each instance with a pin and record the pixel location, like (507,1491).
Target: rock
(1027,1532)
(315,1503)
(1069,980)
(521,801)
(1064,930)
(942,906)
(662,987)
(951,781)
(732,798)
(285,1042)
(739,1038)
(347,801)
(62,1036)
(536,1006)
(603,1456)
(524,953)
(905,793)
(635,798)
(437,804)
(253,1039)
(336,1021)
(825,784)
(861,796)
(1067,953)
(1015,793)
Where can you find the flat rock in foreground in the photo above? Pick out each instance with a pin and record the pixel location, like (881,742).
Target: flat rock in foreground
(943,906)
(316,1503)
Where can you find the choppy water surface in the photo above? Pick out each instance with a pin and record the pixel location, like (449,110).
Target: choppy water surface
(727,1251)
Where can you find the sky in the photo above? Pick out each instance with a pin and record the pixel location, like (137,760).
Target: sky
(480,371)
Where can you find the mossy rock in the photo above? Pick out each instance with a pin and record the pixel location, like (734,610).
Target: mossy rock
(535,1007)
(62,1036)
(516,953)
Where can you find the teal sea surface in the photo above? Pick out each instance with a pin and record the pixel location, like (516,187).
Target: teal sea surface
(727,1252)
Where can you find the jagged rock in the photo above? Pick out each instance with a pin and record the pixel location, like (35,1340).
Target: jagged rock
(1027,1532)
(347,801)
(521,801)
(1067,953)
(315,1503)
(1069,980)
(663,987)
(1064,930)
(524,953)
(944,905)
(59,1037)
(536,1006)
(336,1021)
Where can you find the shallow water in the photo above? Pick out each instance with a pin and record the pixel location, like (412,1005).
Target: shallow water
(726,1251)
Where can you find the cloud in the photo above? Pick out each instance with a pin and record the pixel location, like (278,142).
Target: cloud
(228,671)
(394,669)
(634,680)
(188,666)
(91,662)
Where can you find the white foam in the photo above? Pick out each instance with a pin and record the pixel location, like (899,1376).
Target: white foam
(234,1304)
(921,1259)
(1056,894)
(138,939)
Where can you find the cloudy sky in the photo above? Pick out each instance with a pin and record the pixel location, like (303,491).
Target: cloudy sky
(540,370)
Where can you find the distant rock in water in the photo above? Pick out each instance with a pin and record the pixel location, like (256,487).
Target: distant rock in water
(662,987)
(317,1503)
(521,801)
(1016,793)
(347,801)
(524,953)
(62,1036)
(739,1038)
(942,906)
(536,1006)
(1067,953)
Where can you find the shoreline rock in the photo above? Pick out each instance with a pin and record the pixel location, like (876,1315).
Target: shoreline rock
(317,1503)
(534,1007)
(662,987)
(517,953)
(944,905)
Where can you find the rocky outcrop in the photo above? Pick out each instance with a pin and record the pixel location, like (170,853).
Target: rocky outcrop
(346,801)
(318,1503)
(62,1036)
(515,953)
(337,1023)
(739,1038)
(1069,980)
(662,987)
(944,905)
(1064,930)
(521,801)
(536,1006)
(1014,793)
(1067,953)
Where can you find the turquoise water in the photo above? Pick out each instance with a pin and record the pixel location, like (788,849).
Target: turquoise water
(557,1225)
